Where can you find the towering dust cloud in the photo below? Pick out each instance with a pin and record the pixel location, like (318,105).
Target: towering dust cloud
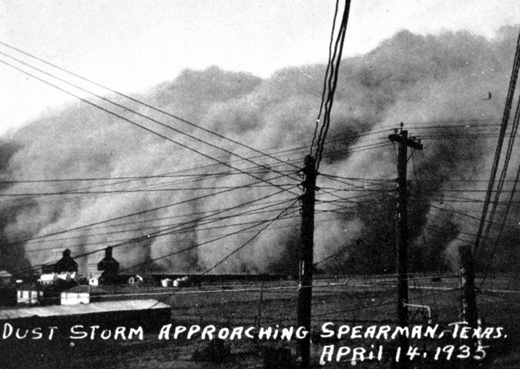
(438,85)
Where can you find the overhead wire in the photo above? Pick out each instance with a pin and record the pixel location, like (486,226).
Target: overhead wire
(127,215)
(90,92)
(324,131)
(169,230)
(105,100)
(200,226)
(271,221)
(111,112)
(268,222)
(330,82)
(142,103)
(496,159)
(490,258)
(139,125)
(327,70)
(161,233)
(127,109)
(499,190)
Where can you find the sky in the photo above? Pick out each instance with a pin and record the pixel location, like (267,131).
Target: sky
(132,45)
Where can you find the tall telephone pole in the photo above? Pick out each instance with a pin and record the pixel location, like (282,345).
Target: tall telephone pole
(468,309)
(305,269)
(401,137)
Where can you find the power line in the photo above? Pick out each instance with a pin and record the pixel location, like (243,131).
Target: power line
(330,80)
(127,215)
(198,223)
(327,70)
(135,191)
(144,104)
(505,118)
(251,239)
(198,245)
(141,115)
(164,232)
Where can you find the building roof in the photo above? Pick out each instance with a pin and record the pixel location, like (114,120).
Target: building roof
(96,274)
(64,310)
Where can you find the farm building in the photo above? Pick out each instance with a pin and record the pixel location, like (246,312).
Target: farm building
(29,296)
(109,266)
(66,263)
(81,295)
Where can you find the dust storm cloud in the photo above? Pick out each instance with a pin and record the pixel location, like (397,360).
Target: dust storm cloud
(432,83)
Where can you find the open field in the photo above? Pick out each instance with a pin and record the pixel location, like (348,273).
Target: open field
(353,301)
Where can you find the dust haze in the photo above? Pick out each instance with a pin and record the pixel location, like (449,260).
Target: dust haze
(431,83)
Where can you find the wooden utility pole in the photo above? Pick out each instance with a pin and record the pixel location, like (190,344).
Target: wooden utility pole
(468,310)
(401,137)
(467,276)
(305,270)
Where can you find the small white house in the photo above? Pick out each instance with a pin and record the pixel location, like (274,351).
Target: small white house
(29,297)
(94,278)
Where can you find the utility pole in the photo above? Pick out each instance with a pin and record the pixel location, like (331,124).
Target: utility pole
(468,311)
(467,276)
(306,266)
(401,137)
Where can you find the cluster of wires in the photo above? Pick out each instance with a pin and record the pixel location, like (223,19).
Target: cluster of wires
(59,78)
(76,90)
(329,83)
(265,168)
(496,161)
(264,174)
(242,219)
